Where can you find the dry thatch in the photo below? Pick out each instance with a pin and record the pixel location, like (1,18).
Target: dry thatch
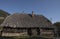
(26,20)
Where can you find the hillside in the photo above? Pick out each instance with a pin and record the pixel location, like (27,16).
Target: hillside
(3,15)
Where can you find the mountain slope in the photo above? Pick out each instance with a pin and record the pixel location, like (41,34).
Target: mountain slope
(3,15)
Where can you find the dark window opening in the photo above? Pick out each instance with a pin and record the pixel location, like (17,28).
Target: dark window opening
(38,31)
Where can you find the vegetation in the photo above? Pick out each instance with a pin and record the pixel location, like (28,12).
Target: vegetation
(1,20)
(4,15)
(57,24)
(22,38)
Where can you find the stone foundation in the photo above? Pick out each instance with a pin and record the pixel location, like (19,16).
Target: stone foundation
(14,34)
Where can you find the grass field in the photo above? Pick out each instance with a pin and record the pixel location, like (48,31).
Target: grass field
(22,38)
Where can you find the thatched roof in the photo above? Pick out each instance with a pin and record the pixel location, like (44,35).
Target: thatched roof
(26,20)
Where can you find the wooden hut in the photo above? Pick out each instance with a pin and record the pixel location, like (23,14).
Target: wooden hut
(30,24)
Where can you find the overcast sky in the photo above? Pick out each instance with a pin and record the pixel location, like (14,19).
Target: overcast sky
(48,8)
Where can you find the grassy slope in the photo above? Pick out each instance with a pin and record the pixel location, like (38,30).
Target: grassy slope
(3,14)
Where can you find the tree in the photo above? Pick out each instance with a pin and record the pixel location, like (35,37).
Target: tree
(57,24)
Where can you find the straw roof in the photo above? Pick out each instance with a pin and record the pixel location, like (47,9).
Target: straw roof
(26,20)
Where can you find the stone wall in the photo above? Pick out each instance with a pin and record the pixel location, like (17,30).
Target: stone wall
(14,34)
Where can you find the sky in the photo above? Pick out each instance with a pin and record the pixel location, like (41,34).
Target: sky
(48,8)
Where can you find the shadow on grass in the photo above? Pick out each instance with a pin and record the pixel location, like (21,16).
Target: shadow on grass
(22,38)
(33,38)
(6,38)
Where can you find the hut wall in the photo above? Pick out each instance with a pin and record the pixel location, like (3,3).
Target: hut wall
(34,32)
(14,31)
(44,32)
(7,31)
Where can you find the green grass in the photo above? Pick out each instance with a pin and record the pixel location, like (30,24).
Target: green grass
(22,38)
(1,21)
